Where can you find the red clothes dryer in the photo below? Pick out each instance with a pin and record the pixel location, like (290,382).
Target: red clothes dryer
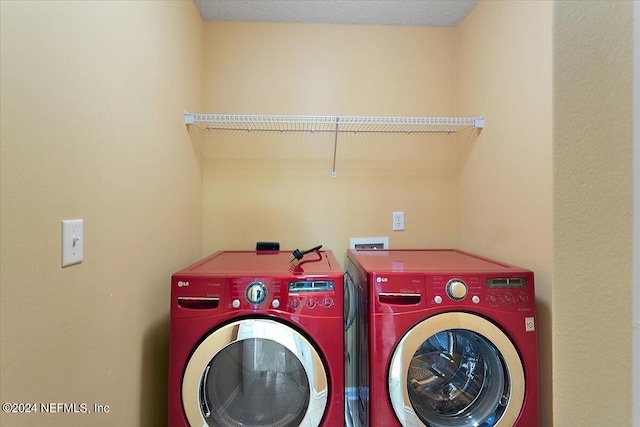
(256,341)
(444,339)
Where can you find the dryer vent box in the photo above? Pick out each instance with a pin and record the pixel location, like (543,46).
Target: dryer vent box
(369,243)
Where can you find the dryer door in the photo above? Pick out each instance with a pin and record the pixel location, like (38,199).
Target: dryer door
(456,369)
(255,372)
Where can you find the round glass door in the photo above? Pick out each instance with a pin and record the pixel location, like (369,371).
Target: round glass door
(255,372)
(456,369)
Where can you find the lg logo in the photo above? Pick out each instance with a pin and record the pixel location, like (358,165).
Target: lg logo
(382,279)
(182,284)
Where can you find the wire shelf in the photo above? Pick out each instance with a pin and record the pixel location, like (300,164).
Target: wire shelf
(288,123)
(335,124)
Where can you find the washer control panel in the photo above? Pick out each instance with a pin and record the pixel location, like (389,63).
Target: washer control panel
(504,293)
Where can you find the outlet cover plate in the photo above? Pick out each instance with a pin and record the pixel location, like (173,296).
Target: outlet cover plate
(398,221)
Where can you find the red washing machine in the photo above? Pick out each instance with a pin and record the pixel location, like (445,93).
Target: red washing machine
(444,339)
(256,341)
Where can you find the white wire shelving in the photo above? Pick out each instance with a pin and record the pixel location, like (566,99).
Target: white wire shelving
(334,124)
(285,123)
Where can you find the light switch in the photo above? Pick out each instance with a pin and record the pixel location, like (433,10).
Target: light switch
(72,241)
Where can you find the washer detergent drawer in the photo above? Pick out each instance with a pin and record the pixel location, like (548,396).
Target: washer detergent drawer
(256,372)
(397,292)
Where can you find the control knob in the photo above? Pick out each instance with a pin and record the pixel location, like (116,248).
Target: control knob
(456,289)
(256,293)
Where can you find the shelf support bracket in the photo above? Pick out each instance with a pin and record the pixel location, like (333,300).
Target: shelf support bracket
(335,149)
(189,118)
(478,122)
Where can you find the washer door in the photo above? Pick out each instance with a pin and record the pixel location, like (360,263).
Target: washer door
(255,372)
(456,369)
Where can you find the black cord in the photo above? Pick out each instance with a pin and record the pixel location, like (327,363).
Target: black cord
(298,254)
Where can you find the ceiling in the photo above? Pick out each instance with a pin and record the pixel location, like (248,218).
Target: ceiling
(439,13)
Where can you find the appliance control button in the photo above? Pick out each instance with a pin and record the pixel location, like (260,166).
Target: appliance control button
(437,299)
(275,303)
(256,293)
(523,297)
(311,303)
(456,289)
(327,301)
(475,299)
(294,303)
(235,303)
(493,299)
(509,298)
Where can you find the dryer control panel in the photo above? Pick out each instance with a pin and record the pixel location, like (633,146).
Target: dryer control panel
(303,296)
(316,297)
(253,293)
(311,295)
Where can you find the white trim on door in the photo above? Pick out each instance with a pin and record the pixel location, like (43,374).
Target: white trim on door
(266,329)
(415,337)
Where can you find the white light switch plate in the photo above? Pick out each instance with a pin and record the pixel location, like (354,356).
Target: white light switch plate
(72,241)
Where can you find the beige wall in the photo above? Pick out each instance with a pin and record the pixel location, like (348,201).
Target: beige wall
(276,186)
(92,101)
(505,189)
(592,222)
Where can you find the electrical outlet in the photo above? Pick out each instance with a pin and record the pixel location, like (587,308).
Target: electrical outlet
(398,221)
